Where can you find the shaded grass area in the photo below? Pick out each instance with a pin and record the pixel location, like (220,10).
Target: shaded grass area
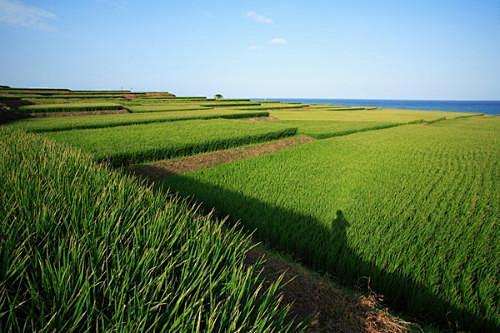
(102,121)
(85,249)
(139,143)
(414,208)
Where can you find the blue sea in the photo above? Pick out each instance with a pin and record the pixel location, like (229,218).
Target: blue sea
(489,107)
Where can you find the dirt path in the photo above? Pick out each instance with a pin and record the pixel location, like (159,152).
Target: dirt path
(328,308)
(191,163)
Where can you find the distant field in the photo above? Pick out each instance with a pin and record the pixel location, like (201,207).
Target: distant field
(70,107)
(378,115)
(100,121)
(138,143)
(413,207)
(167,107)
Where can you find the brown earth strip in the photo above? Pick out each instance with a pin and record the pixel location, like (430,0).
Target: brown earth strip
(75,113)
(262,119)
(327,308)
(164,168)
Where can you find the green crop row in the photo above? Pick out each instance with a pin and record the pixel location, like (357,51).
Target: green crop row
(276,107)
(35,90)
(414,209)
(199,98)
(348,108)
(84,96)
(70,107)
(85,249)
(229,104)
(140,143)
(162,108)
(52,124)
(95,92)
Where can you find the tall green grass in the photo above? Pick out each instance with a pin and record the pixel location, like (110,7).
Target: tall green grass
(84,249)
(139,143)
(413,208)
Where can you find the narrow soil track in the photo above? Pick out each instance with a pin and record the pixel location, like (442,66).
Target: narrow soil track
(327,308)
(191,163)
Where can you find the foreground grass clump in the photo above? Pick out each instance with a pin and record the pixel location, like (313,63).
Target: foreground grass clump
(50,124)
(140,143)
(415,208)
(84,249)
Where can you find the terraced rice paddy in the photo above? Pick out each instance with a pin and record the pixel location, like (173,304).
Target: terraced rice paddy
(70,107)
(415,208)
(83,122)
(408,200)
(139,143)
(323,123)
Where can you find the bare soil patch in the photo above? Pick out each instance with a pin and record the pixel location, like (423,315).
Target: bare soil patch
(259,119)
(164,168)
(327,308)
(75,113)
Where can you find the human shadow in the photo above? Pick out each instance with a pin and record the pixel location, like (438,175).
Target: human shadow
(326,248)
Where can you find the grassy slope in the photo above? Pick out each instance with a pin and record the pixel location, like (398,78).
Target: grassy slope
(99,121)
(85,249)
(415,207)
(137,143)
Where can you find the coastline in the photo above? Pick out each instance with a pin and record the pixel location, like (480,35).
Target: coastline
(486,107)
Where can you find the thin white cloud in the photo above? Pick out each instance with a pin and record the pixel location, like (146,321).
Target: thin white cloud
(277,41)
(253,47)
(114,4)
(259,18)
(16,13)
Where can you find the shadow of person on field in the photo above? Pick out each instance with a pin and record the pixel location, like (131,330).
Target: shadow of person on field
(324,248)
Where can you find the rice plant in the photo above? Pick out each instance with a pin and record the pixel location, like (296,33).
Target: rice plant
(85,249)
(415,208)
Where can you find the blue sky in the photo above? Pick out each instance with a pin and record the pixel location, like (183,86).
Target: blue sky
(448,49)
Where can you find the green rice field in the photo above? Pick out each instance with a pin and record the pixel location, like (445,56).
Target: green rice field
(49,124)
(415,208)
(140,143)
(404,204)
